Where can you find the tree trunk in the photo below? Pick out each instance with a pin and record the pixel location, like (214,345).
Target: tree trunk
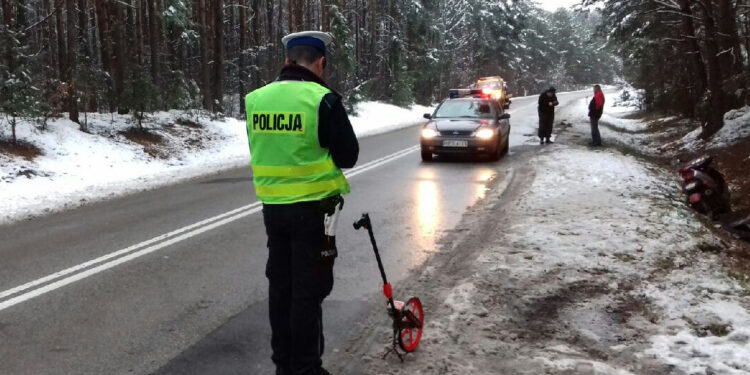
(106,49)
(242,59)
(139,21)
(72,56)
(269,19)
(61,57)
(715,118)
(105,39)
(218,92)
(120,58)
(373,37)
(693,50)
(291,22)
(730,41)
(154,40)
(278,23)
(204,71)
(256,29)
(21,21)
(7,7)
(83,25)
(324,15)
(50,31)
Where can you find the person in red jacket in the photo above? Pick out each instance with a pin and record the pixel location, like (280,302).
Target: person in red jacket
(596,109)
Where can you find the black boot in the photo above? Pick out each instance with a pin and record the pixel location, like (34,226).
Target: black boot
(549,141)
(541,141)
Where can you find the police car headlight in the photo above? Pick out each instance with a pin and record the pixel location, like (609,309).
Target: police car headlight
(428,133)
(485,133)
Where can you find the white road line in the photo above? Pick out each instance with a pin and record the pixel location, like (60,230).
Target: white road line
(118,253)
(154,244)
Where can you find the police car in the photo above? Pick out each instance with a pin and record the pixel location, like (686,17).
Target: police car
(468,122)
(494,87)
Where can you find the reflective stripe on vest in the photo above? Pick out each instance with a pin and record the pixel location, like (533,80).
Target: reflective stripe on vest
(293,171)
(309,188)
(288,163)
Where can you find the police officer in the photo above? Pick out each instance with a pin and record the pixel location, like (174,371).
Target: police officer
(300,138)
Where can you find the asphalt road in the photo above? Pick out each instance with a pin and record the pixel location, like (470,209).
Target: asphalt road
(171,281)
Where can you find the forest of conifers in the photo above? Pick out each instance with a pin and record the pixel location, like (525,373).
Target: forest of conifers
(72,56)
(689,56)
(144,55)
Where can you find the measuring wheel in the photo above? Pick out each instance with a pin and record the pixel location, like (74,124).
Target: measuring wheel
(407,317)
(410,327)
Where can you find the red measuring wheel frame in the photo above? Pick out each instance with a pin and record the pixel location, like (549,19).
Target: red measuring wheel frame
(409,332)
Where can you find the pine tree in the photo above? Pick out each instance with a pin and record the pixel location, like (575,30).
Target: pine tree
(342,54)
(139,95)
(18,95)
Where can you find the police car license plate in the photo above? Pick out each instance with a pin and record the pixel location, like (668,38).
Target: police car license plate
(453,143)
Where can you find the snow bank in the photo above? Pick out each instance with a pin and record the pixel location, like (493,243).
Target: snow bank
(736,127)
(376,118)
(77,168)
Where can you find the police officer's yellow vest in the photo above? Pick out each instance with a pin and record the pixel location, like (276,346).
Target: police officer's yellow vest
(288,163)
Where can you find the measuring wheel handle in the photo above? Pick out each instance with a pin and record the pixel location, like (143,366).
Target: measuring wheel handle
(364,221)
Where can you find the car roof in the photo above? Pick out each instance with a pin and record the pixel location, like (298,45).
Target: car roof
(491,78)
(467,98)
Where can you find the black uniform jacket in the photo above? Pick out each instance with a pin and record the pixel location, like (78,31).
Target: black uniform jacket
(335,132)
(544,107)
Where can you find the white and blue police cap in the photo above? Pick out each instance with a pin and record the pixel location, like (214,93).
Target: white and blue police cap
(317,39)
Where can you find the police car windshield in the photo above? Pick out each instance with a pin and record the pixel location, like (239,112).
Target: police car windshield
(464,109)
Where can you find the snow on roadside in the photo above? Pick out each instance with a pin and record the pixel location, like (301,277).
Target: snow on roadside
(613,126)
(704,322)
(76,168)
(376,118)
(736,127)
(637,132)
(594,269)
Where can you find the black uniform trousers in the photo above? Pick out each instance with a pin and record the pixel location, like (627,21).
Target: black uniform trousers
(546,120)
(298,283)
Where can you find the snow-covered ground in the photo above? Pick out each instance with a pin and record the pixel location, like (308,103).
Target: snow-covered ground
(736,126)
(376,118)
(643,135)
(76,168)
(587,263)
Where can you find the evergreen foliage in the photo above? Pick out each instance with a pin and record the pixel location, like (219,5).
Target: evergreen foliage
(689,56)
(140,95)
(200,55)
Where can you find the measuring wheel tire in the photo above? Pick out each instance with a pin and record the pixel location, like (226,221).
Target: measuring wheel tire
(412,321)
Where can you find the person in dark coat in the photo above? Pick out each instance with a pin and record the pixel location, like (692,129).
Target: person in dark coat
(596,109)
(547,103)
